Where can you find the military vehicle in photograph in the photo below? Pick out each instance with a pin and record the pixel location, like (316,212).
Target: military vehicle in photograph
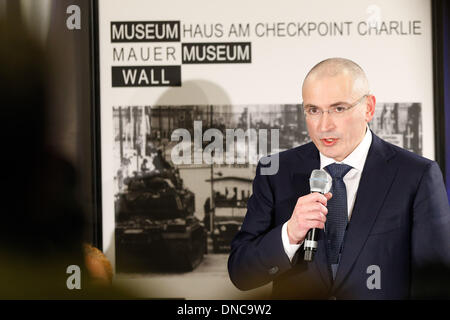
(227,223)
(230,206)
(156,229)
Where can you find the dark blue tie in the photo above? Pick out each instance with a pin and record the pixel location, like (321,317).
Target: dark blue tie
(337,217)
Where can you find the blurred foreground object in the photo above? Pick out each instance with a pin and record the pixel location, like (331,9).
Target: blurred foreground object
(98,266)
(42,225)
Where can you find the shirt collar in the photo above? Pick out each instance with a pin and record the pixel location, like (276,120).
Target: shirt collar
(357,158)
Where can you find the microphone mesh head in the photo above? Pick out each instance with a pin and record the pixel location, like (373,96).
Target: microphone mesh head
(318,181)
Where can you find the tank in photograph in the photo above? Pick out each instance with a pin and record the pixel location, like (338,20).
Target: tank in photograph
(156,228)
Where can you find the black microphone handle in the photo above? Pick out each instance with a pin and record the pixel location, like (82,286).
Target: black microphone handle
(310,243)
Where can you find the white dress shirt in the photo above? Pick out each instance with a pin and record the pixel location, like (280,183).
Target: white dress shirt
(356,160)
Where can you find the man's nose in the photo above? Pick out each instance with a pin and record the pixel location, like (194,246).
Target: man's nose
(326,122)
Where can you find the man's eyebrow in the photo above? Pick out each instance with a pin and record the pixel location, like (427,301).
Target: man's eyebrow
(339,103)
(331,105)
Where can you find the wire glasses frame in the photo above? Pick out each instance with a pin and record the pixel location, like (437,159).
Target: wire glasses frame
(315,112)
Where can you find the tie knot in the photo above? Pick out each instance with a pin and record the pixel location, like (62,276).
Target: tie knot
(338,170)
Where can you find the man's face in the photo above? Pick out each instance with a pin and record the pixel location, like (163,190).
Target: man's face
(336,135)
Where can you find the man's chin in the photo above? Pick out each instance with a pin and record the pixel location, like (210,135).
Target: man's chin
(329,153)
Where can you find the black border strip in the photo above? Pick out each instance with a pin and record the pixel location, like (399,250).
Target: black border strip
(438,83)
(95,123)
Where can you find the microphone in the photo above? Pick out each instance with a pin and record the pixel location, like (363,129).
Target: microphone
(319,182)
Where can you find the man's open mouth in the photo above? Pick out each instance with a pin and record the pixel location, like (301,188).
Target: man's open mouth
(329,141)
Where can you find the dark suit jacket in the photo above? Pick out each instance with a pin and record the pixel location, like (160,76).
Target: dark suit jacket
(400,222)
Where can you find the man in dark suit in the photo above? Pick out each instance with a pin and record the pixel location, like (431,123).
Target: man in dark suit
(387,214)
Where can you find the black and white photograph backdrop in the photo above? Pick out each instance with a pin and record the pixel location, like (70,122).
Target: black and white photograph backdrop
(193,93)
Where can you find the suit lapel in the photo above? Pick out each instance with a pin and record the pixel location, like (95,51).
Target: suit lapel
(321,260)
(308,161)
(376,180)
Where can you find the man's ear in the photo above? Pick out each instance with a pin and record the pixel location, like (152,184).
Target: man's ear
(370,107)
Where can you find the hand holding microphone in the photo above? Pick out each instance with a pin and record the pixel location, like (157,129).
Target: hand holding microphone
(309,214)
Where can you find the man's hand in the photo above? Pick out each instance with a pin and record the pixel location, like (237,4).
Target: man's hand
(309,212)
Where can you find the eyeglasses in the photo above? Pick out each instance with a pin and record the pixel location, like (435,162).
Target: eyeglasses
(336,110)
